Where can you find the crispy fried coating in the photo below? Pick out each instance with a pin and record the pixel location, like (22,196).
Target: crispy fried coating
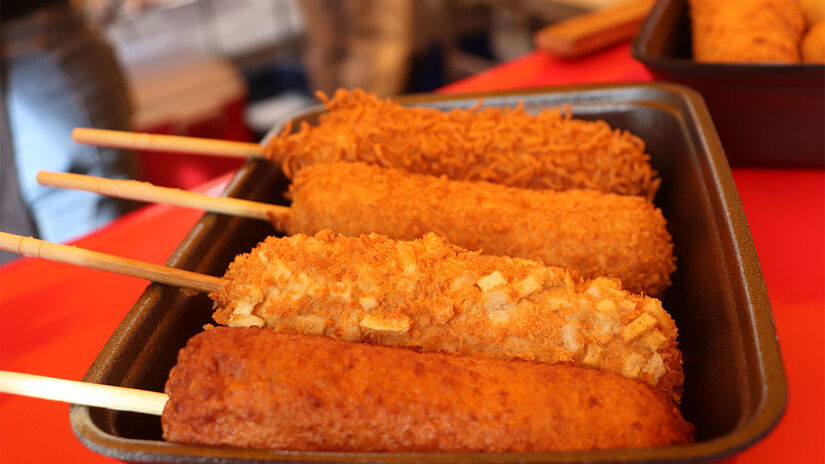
(814,11)
(549,150)
(599,234)
(251,388)
(434,296)
(813,47)
(746,31)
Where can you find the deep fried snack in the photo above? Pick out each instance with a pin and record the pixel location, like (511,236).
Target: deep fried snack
(599,234)
(814,11)
(434,296)
(813,47)
(550,150)
(746,31)
(251,388)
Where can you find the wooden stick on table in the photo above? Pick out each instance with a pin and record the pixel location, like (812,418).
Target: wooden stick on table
(157,142)
(594,31)
(32,247)
(144,191)
(89,394)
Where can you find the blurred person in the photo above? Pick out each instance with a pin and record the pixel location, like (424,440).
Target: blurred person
(57,73)
(364,44)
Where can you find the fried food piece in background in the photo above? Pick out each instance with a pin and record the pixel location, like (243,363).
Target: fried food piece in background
(814,11)
(434,296)
(251,388)
(597,233)
(548,150)
(813,47)
(746,31)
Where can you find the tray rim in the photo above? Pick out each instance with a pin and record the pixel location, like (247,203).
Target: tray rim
(764,417)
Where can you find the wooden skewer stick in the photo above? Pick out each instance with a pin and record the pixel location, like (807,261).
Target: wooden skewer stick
(144,191)
(594,31)
(89,394)
(157,142)
(32,247)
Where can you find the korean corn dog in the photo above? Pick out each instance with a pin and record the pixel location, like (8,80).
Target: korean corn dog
(246,387)
(434,296)
(599,234)
(550,150)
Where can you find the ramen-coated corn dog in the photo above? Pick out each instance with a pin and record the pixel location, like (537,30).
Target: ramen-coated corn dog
(246,387)
(599,234)
(431,295)
(549,150)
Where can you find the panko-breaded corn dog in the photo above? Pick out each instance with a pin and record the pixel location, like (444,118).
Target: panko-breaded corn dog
(431,295)
(746,31)
(599,234)
(549,150)
(251,388)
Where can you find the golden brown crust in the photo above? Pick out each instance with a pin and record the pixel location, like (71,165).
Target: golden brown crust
(599,234)
(814,11)
(434,296)
(251,388)
(746,31)
(813,47)
(550,150)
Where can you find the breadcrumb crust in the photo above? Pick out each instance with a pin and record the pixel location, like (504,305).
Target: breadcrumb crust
(597,233)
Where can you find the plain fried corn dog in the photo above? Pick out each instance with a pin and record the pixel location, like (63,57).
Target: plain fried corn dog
(597,233)
(431,295)
(246,387)
(550,150)
(249,388)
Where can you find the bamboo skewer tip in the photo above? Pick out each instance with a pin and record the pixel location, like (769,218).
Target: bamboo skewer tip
(35,248)
(277,215)
(84,393)
(168,143)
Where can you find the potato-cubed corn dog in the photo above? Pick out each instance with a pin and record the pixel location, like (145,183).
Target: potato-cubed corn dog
(251,388)
(599,234)
(549,150)
(435,296)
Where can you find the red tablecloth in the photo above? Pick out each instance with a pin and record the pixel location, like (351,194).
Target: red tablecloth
(54,318)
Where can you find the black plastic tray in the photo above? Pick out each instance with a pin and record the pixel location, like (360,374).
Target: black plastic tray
(735,389)
(770,115)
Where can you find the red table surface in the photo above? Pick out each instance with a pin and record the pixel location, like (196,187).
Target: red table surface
(54,318)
